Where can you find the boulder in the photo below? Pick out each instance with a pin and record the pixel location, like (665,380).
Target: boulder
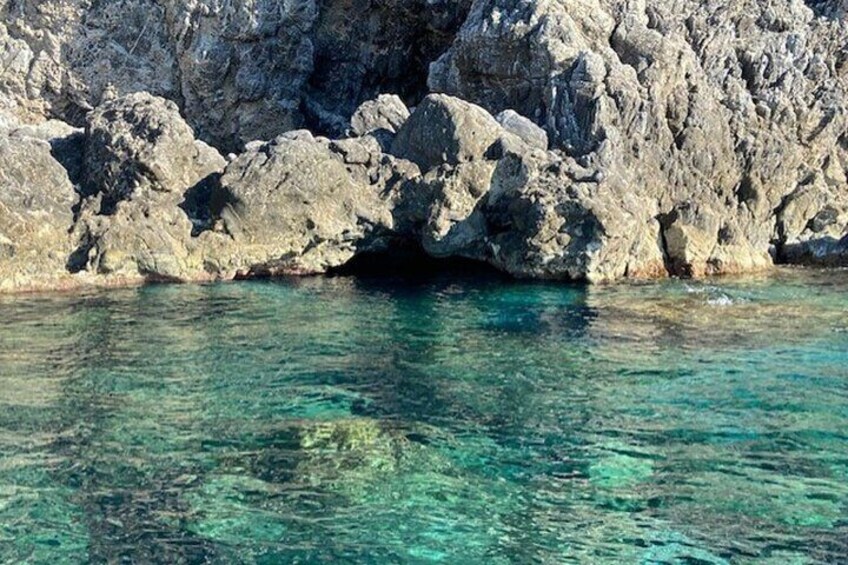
(67,144)
(147,238)
(292,207)
(526,130)
(147,177)
(454,224)
(36,214)
(386,112)
(699,243)
(139,144)
(446,131)
(553,219)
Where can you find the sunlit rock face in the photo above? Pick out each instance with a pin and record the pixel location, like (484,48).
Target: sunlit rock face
(731,111)
(591,140)
(240,70)
(36,198)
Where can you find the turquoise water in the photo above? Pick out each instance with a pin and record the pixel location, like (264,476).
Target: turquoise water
(447,419)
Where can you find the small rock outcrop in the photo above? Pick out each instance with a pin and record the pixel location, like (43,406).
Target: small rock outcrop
(292,207)
(139,144)
(141,159)
(36,203)
(445,130)
(387,112)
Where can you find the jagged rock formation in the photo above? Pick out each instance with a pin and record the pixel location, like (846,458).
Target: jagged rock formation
(241,70)
(292,207)
(591,140)
(34,219)
(726,111)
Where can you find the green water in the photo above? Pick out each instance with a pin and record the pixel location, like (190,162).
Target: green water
(451,419)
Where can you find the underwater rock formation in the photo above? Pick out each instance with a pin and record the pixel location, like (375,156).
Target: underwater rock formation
(590,140)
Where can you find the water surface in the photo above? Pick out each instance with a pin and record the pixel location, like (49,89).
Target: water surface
(447,419)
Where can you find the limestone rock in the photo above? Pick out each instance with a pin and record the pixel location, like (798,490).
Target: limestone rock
(446,130)
(241,70)
(526,130)
(812,222)
(692,137)
(138,144)
(553,220)
(386,112)
(292,207)
(67,144)
(36,203)
(681,100)
(147,238)
(455,225)
(698,244)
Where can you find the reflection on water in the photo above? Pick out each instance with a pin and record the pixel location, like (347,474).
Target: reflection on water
(471,420)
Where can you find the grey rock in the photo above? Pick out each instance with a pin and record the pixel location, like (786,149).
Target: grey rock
(699,243)
(676,104)
(241,70)
(147,173)
(36,203)
(292,207)
(454,224)
(518,125)
(147,238)
(67,144)
(386,112)
(690,138)
(446,130)
(138,144)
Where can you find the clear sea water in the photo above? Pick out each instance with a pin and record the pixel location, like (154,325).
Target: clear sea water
(452,419)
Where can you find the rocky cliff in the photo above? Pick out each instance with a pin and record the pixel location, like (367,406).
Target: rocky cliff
(577,140)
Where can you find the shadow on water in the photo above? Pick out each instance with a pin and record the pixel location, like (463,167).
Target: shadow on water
(128,493)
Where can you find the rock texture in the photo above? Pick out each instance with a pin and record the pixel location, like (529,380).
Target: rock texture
(712,119)
(140,144)
(292,207)
(142,166)
(589,140)
(387,112)
(242,71)
(36,201)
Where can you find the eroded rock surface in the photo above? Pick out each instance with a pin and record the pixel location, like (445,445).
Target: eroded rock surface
(140,144)
(36,202)
(387,112)
(591,140)
(292,207)
(241,70)
(733,110)
(142,162)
